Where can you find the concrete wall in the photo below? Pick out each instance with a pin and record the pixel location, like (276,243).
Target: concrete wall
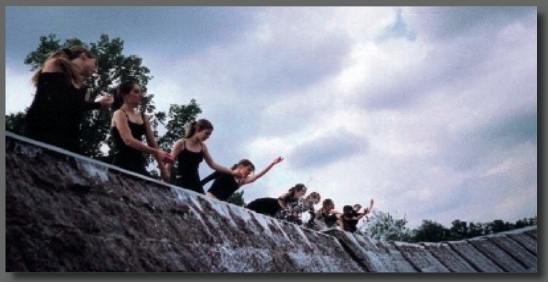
(68,213)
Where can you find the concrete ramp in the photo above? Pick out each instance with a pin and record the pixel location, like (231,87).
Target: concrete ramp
(68,213)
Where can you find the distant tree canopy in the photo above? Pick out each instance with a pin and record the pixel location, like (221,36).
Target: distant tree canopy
(387,228)
(113,68)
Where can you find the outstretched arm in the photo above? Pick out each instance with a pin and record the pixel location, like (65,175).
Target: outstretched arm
(215,166)
(254,177)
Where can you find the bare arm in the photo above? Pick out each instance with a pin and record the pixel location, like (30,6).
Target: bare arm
(254,177)
(175,150)
(160,158)
(215,166)
(281,200)
(120,122)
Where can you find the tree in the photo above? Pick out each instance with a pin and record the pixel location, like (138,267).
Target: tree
(430,231)
(384,227)
(237,198)
(113,68)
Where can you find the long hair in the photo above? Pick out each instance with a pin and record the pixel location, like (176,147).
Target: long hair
(244,162)
(201,124)
(297,188)
(123,89)
(64,61)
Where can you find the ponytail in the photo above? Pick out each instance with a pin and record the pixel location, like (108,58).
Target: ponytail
(193,126)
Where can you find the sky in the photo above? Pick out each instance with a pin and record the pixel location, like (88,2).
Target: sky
(430,111)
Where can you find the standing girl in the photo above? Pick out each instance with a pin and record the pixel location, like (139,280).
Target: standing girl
(190,151)
(128,126)
(61,98)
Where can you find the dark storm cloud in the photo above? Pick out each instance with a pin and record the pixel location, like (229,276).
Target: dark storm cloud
(470,149)
(335,146)
(285,65)
(164,30)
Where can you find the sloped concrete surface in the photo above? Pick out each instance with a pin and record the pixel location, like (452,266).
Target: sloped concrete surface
(67,213)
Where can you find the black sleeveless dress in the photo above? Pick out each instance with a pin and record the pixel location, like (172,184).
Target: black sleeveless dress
(56,112)
(127,157)
(187,170)
(223,186)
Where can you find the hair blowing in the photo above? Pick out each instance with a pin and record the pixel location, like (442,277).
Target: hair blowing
(64,59)
(199,125)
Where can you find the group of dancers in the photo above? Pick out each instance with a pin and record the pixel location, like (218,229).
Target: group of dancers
(62,98)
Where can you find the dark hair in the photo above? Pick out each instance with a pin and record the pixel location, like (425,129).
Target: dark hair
(64,61)
(244,162)
(327,202)
(194,126)
(314,195)
(348,210)
(123,89)
(297,188)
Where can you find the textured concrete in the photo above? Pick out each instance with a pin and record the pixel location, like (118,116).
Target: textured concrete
(67,213)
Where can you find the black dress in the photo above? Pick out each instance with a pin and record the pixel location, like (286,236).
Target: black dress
(127,157)
(187,173)
(223,186)
(56,112)
(266,206)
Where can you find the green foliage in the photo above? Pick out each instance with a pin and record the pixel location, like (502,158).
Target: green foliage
(387,228)
(237,198)
(113,68)
(430,231)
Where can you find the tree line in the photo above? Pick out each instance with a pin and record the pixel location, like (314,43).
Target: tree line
(387,228)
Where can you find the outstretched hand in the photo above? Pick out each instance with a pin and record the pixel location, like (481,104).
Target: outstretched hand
(277,160)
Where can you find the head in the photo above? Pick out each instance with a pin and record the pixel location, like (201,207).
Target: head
(314,197)
(128,92)
(200,129)
(357,207)
(245,167)
(298,190)
(348,210)
(328,204)
(76,62)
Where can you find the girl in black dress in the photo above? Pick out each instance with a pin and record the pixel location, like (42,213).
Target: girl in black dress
(224,185)
(280,207)
(190,151)
(351,216)
(128,126)
(61,98)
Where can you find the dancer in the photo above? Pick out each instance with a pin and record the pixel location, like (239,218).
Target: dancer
(351,216)
(128,126)
(61,98)
(190,151)
(226,184)
(294,213)
(326,216)
(272,206)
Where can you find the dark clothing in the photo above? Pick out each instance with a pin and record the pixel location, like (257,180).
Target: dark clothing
(350,224)
(56,112)
(266,206)
(330,220)
(223,186)
(187,173)
(127,157)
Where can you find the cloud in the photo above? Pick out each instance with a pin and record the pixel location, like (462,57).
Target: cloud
(332,147)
